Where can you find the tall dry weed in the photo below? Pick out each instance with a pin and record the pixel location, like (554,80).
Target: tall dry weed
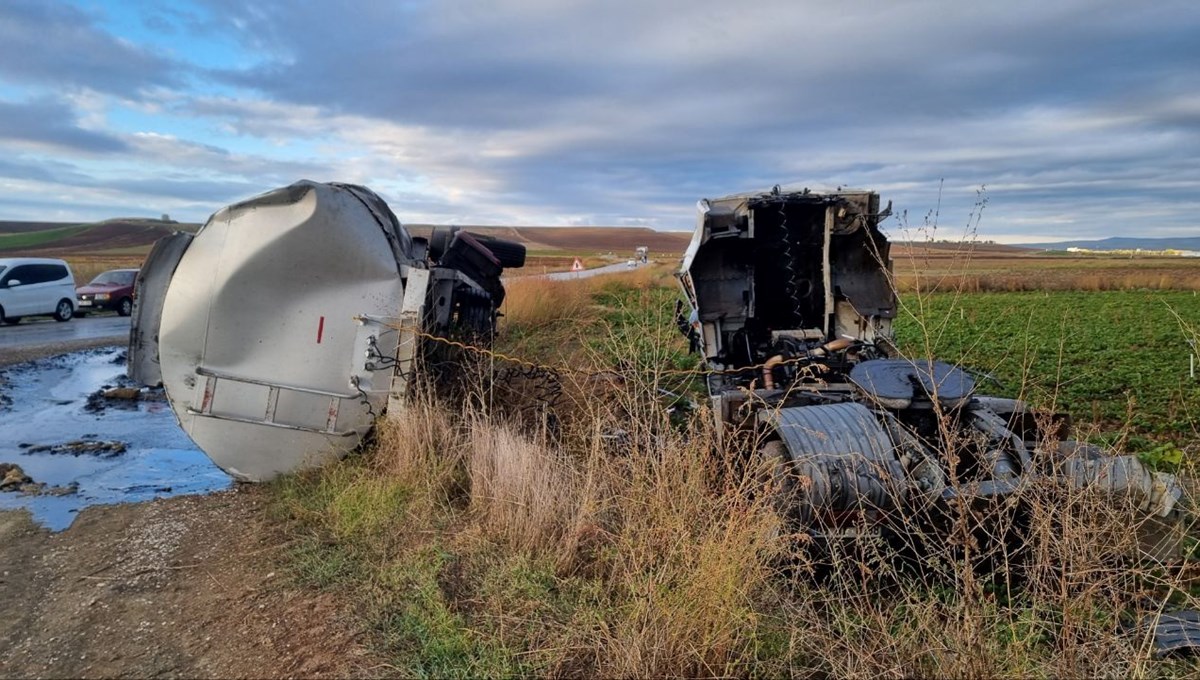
(522,491)
(667,556)
(424,450)
(536,302)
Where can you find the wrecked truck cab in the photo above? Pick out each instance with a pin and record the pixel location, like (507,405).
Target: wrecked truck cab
(792,306)
(292,319)
(802,265)
(778,276)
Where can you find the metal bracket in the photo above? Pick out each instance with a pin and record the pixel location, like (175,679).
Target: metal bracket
(212,378)
(412,312)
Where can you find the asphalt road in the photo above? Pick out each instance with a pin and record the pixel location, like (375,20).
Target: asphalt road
(32,332)
(38,331)
(587,273)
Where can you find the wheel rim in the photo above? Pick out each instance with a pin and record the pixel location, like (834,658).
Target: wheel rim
(64,309)
(126,307)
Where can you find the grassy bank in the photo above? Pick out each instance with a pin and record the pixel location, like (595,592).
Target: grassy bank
(478,537)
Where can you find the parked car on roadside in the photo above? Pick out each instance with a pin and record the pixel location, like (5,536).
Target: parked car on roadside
(111,290)
(35,286)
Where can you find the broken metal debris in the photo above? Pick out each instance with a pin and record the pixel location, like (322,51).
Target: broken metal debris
(791,307)
(1175,634)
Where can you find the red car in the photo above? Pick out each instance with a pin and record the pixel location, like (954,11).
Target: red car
(111,290)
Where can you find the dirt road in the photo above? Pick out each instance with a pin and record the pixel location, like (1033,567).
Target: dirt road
(188,586)
(181,587)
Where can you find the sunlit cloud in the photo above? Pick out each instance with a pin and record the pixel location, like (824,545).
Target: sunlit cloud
(1070,119)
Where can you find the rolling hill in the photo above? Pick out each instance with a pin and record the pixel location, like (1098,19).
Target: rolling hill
(55,239)
(1124,243)
(129,235)
(579,240)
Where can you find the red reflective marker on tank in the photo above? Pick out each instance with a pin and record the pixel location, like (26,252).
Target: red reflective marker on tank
(320,330)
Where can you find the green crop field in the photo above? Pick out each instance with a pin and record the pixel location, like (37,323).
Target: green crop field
(1118,359)
(35,239)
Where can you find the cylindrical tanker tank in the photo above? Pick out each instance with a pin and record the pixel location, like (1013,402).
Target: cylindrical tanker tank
(266,327)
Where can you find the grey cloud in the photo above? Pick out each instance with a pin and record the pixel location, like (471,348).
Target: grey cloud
(198,177)
(195,160)
(777,66)
(38,207)
(611,112)
(688,99)
(51,172)
(213,192)
(50,122)
(175,185)
(50,43)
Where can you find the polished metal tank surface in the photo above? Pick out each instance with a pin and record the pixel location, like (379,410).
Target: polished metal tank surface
(260,350)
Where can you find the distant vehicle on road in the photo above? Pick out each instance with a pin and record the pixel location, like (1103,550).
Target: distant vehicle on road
(35,286)
(631,263)
(111,290)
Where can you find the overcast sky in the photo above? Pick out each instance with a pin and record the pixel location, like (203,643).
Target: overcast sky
(1077,118)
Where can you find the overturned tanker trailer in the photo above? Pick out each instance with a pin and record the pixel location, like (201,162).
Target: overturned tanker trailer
(290,320)
(792,306)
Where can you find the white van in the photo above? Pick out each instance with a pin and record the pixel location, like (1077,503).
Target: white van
(35,286)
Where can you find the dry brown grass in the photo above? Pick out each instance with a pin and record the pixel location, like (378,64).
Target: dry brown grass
(535,302)
(969,272)
(670,561)
(87,267)
(522,491)
(682,558)
(616,543)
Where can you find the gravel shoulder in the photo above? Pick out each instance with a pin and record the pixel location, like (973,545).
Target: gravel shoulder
(188,586)
(179,587)
(18,355)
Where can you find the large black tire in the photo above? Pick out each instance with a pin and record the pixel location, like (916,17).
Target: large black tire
(510,253)
(125,307)
(64,310)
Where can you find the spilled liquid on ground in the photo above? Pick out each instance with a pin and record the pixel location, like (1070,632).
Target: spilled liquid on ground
(60,437)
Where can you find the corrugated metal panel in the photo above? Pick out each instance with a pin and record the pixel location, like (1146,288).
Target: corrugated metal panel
(839,429)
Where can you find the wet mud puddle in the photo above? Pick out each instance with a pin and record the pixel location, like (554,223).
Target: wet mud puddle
(75,447)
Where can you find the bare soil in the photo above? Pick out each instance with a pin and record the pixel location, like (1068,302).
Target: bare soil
(180,587)
(189,586)
(17,355)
